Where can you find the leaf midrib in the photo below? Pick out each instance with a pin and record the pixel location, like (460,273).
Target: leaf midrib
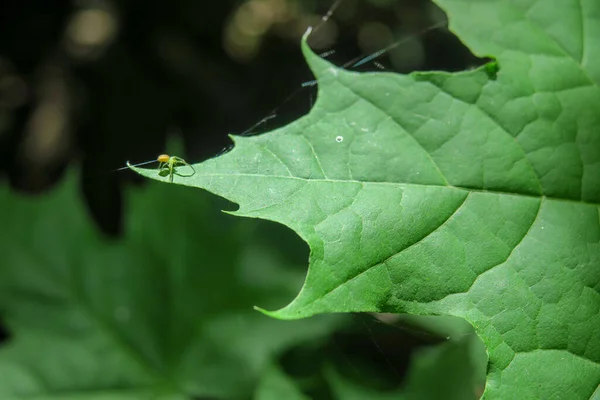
(357,182)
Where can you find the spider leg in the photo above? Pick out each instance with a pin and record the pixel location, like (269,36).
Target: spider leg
(187,174)
(177,161)
(163,166)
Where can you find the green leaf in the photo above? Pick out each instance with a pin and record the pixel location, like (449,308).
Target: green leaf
(165,313)
(347,375)
(473,194)
(276,385)
(447,365)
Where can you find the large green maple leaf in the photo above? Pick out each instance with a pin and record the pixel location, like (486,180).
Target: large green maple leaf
(473,194)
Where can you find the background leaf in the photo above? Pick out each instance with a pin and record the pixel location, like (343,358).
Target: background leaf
(166,313)
(276,385)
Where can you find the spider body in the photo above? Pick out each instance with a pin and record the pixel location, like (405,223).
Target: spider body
(168,166)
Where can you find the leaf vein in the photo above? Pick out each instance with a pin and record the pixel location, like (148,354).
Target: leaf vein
(388,258)
(380,109)
(312,149)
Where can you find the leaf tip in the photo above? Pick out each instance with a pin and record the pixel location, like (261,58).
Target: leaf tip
(318,65)
(235,213)
(284,314)
(491,69)
(271,314)
(307,34)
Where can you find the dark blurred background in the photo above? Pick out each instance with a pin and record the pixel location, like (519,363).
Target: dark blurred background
(100,82)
